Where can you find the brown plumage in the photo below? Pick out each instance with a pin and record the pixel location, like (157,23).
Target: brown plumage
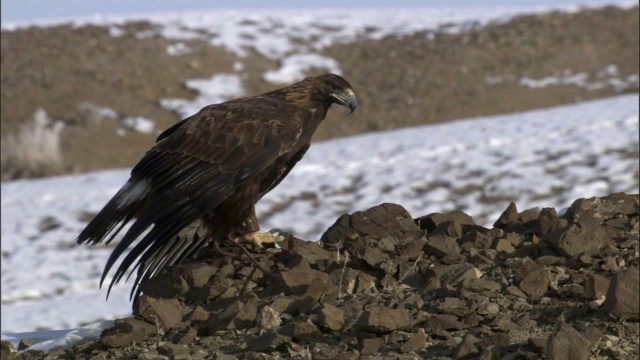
(211,167)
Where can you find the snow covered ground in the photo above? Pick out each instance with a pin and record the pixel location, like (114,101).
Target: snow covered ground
(545,158)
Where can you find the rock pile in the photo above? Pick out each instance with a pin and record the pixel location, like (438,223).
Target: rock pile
(383,285)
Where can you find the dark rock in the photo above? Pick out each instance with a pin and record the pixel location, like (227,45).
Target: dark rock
(350,281)
(548,221)
(370,346)
(417,342)
(514,290)
(604,207)
(167,285)
(508,218)
(296,280)
(467,347)
(375,257)
(165,313)
(436,323)
(182,335)
(595,286)
(567,343)
(481,285)
(331,317)
(622,296)
(125,331)
(197,274)
(374,224)
(488,309)
(313,253)
(458,273)
(577,238)
(174,351)
(414,249)
(504,323)
(450,228)
(270,340)
(301,330)
(431,221)
(441,245)
(246,317)
(538,343)
(380,319)
(454,306)
(535,283)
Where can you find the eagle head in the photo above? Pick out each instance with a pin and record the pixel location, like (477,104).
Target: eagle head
(337,90)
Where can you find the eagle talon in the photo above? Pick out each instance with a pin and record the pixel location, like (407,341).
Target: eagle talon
(271,237)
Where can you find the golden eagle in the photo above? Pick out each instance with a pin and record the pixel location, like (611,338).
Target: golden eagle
(212,167)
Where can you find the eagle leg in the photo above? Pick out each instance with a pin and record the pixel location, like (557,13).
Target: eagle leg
(253,260)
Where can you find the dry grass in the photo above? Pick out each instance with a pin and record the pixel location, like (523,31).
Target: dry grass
(34,151)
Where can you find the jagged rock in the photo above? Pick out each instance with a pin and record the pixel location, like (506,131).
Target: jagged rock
(313,253)
(604,207)
(331,317)
(182,335)
(457,273)
(567,343)
(163,312)
(509,217)
(126,331)
(197,274)
(370,346)
(374,224)
(535,283)
(166,285)
(454,306)
(175,351)
(548,221)
(380,319)
(417,342)
(595,286)
(504,246)
(437,323)
(270,340)
(431,221)
(622,296)
(467,348)
(538,343)
(296,280)
(481,284)
(301,330)
(441,245)
(577,238)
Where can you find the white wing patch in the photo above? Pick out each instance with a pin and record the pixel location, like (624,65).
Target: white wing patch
(133,192)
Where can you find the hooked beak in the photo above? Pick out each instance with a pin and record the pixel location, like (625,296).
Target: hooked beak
(348,99)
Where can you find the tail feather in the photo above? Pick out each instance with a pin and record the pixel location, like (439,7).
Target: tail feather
(119,211)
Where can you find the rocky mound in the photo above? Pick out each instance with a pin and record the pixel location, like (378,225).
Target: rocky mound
(385,285)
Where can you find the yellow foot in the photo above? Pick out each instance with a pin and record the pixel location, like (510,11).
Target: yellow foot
(272,237)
